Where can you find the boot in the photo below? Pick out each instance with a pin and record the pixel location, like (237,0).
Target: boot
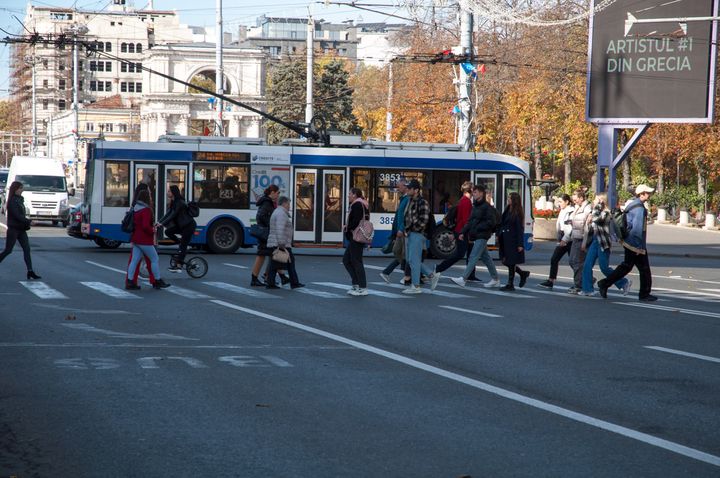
(160,284)
(255,282)
(31,275)
(284,279)
(131,285)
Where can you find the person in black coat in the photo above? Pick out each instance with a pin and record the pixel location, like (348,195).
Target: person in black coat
(18,225)
(353,257)
(510,241)
(265,207)
(178,221)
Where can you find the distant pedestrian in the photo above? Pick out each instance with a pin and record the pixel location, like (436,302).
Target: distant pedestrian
(17,226)
(143,243)
(597,244)
(417,217)
(635,245)
(178,221)
(280,237)
(462,215)
(511,240)
(563,228)
(353,258)
(577,254)
(265,207)
(398,229)
(478,230)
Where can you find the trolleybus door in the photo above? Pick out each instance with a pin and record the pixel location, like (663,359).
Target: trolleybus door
(148,174)
(305,207)
(333,185)
(175,175)
(489,182)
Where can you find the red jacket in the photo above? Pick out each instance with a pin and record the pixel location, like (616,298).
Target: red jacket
(144,233)
(464,208)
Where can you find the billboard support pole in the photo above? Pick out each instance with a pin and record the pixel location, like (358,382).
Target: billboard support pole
(608,157)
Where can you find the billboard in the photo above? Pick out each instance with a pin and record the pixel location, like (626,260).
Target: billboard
(645,65)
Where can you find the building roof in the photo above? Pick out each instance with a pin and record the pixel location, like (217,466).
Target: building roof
(111,102)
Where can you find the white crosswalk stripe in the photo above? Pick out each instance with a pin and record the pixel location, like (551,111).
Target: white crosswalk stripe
(379,293)
(483,290)
(321,293)
(109,290)
(187,293)
(43,290)
(426,289)
(241,290)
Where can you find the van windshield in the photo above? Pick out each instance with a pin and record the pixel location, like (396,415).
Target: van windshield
(54,184)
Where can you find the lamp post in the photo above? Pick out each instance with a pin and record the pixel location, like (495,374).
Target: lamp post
(31,61)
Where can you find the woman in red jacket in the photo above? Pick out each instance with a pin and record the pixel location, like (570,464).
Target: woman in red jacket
(143,242)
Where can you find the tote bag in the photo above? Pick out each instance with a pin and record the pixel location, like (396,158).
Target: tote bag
(365,231)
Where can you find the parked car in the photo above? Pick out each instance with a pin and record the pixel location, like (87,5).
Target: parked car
(74,228)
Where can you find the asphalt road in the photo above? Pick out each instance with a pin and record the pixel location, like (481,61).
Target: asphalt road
(214,378)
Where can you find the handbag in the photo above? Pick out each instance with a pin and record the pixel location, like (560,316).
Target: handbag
(364,231)
(399,249)
(261,233)
(389,246)
(280,255)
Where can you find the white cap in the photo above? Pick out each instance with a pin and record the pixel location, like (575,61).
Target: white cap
(643,188)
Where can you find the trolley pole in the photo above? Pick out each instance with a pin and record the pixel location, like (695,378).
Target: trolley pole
(309,70)
(219,80)
(466,48)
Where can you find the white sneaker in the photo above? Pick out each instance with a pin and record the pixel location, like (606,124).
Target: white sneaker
(626,289)
(354,289)
(413,289)
(459,281)
(402,281)
(434,279)
(385,277)
(492,283)
(360,292)
(587,294)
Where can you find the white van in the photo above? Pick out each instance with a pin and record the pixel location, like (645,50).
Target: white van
(44,188)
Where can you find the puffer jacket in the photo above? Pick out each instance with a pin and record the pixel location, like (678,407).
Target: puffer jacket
(265,208)
(482,221)
(178,214)
(16,218)
(579,219)
(144,232)
(281,229)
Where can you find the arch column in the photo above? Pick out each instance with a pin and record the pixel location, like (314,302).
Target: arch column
(183,127)
(161,125)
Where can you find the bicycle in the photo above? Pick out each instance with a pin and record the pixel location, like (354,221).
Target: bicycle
(195,266)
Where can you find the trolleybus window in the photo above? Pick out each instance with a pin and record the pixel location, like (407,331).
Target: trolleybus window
(221,187)
(446,189)
(117,185)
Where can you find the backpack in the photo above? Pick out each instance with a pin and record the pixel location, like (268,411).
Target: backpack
(128,223)
(450,219)
(619,222)
(193,209)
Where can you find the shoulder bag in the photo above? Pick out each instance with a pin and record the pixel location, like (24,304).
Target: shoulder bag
(280,255)
(364,231)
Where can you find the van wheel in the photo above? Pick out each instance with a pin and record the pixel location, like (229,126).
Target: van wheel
(65,224)
(225,237)
(443,244)
(107,243)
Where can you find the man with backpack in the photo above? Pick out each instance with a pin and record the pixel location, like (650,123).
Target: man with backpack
(179,220)
(481,226)
(417,216)
(634,230)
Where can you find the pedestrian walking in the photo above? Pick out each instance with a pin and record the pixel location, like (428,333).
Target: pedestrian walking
(478,230)
(577,254)
(17,227)
(597,245)
(280,239)
(398,230)
(563,228)
(510,241)
(265,207)
(417,217)
(143,243)
(462,215)
(353,257)
(178,221)
(136,273)
(635,245)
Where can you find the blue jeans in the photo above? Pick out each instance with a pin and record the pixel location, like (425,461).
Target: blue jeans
(138,251)
(480,252)
(413,256)
(603,257)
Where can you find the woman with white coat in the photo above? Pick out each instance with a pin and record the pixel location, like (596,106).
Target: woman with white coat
(564,230)
(280,238)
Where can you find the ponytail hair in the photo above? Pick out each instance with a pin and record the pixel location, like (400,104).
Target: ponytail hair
(13,189)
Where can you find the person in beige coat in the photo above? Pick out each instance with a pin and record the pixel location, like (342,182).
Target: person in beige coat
(280,237)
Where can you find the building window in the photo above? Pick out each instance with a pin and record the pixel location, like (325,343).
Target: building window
(123,47)
(60,16)
(89,126)
(93,85)
(117,185)
(45,83)
(112,24)
(138,87)
(100,86)
(100,66)
(45,64)
(108,66)
(61,104)
(131,48)
(81,64)
(45,103)
(108,46)
(123,87)
(99,46)
(131,87)
(108,127)
(108,86)
(93,66)
(61,84)
(138,48)
(80,86)
(131,68)
(223,187)
(275,50)
(138,67)
(123,67)
(122,128)
(61,65)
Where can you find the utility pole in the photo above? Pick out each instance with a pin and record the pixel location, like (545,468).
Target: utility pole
(76,29)
(466,48)
(219,77)
(388,115)
(31,60)
(50,137)
(309,70)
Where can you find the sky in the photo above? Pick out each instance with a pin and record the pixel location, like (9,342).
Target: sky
(192,12)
